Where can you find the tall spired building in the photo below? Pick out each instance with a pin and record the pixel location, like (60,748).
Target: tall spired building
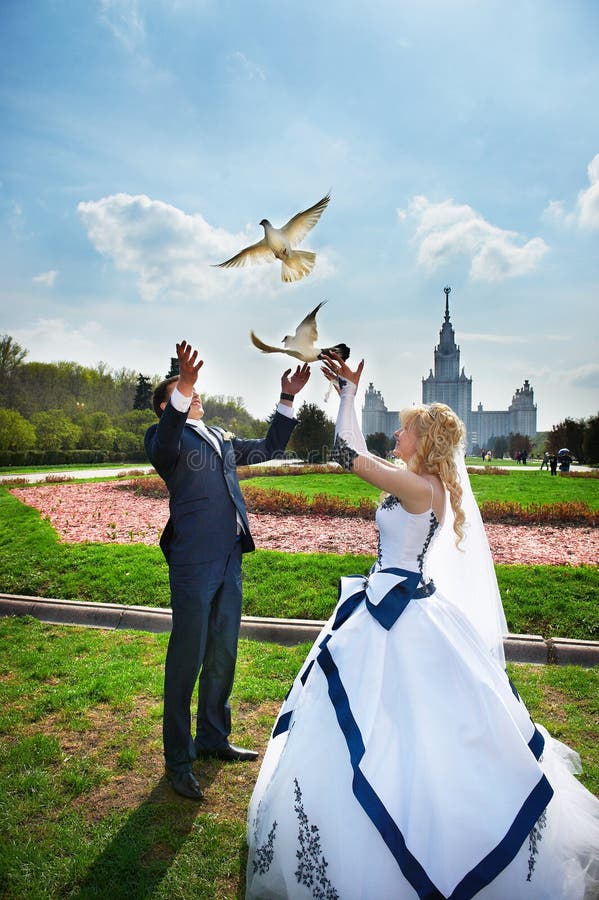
(448,384)
(451,385)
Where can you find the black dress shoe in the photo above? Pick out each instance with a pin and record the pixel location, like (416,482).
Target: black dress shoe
(230,753)
(186,784)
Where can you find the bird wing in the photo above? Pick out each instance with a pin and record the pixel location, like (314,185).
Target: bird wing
(266,348)
(259,252)
(306,332)
(298,227)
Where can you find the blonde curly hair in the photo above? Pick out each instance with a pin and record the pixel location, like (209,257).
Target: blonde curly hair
(440,433)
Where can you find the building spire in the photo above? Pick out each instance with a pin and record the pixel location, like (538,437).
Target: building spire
(447,293)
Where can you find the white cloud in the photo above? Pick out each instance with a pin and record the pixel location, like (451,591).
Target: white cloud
(588,200)
(51,336)
(490,338)
(555,211)
(124,20)
(586,214)
(251,70)
(446,229)
(493,338)
(172,252)
(46,278)
(586,376)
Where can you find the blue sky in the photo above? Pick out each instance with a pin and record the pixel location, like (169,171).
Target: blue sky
(143,141)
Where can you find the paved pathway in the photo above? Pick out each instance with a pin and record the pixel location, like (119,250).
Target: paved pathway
(77,473)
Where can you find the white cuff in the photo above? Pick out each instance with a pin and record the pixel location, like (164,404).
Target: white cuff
(285,410)
(180,401)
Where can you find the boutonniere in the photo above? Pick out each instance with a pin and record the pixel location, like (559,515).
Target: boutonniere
(227,435)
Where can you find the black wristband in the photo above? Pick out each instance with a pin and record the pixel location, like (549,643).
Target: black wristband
(285,396)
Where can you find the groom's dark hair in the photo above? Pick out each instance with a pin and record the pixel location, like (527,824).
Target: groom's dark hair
(161,393)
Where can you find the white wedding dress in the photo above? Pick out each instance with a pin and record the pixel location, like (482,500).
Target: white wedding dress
(403,763)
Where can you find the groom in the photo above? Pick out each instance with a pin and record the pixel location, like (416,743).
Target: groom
(203,541)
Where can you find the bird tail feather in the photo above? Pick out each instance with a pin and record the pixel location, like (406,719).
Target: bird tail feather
(262,346)
(297,264)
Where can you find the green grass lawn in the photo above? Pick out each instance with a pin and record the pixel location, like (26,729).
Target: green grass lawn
(524,489)
(84,808)
(547,600)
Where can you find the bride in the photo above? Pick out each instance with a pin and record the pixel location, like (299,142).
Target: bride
(403,763)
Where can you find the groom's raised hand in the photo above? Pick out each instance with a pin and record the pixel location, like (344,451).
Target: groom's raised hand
(292,384)
(189,366)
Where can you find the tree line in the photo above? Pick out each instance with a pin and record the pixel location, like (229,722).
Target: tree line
(66,412)
(580,436)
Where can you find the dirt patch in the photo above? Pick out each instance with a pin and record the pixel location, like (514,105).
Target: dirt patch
(228,786)
(554,704)
(102,739)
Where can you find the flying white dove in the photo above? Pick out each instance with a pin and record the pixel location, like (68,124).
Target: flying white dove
(280,243)
(301,345)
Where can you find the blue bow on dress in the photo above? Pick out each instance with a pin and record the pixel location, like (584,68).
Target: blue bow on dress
(386,593)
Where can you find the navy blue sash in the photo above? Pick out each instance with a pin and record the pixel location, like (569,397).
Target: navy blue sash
(386,593)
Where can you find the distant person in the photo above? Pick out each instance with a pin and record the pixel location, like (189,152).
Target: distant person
(565,461)
(553,464)
(523,457)
(203,540)
(483,454)
(488,456)
(545,461)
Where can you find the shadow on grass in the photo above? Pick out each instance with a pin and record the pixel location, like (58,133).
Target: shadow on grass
(140,853)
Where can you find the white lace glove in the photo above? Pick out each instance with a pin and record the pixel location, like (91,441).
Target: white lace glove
(347,422)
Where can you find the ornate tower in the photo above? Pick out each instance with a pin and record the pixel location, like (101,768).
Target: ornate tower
(375,415)
(448,384)
(523,411)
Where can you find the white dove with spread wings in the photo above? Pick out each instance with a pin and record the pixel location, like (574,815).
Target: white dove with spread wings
(280,243)
(302,345)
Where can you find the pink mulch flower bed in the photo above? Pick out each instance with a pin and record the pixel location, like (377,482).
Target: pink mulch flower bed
(105,512)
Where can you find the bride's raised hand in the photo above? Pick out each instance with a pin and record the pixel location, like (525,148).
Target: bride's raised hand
(333,366)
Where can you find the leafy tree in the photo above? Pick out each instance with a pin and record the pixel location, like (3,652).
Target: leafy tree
(137,421)
(16,433)
(55,430)
(174,369)
(127,442)
(313,435)
(499,446)
(72,388)
(570,434)
(97,432)
(539,444)
(519,443)
(231,414)
(380,444)
(591,440)
(11,357)
(143,393)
